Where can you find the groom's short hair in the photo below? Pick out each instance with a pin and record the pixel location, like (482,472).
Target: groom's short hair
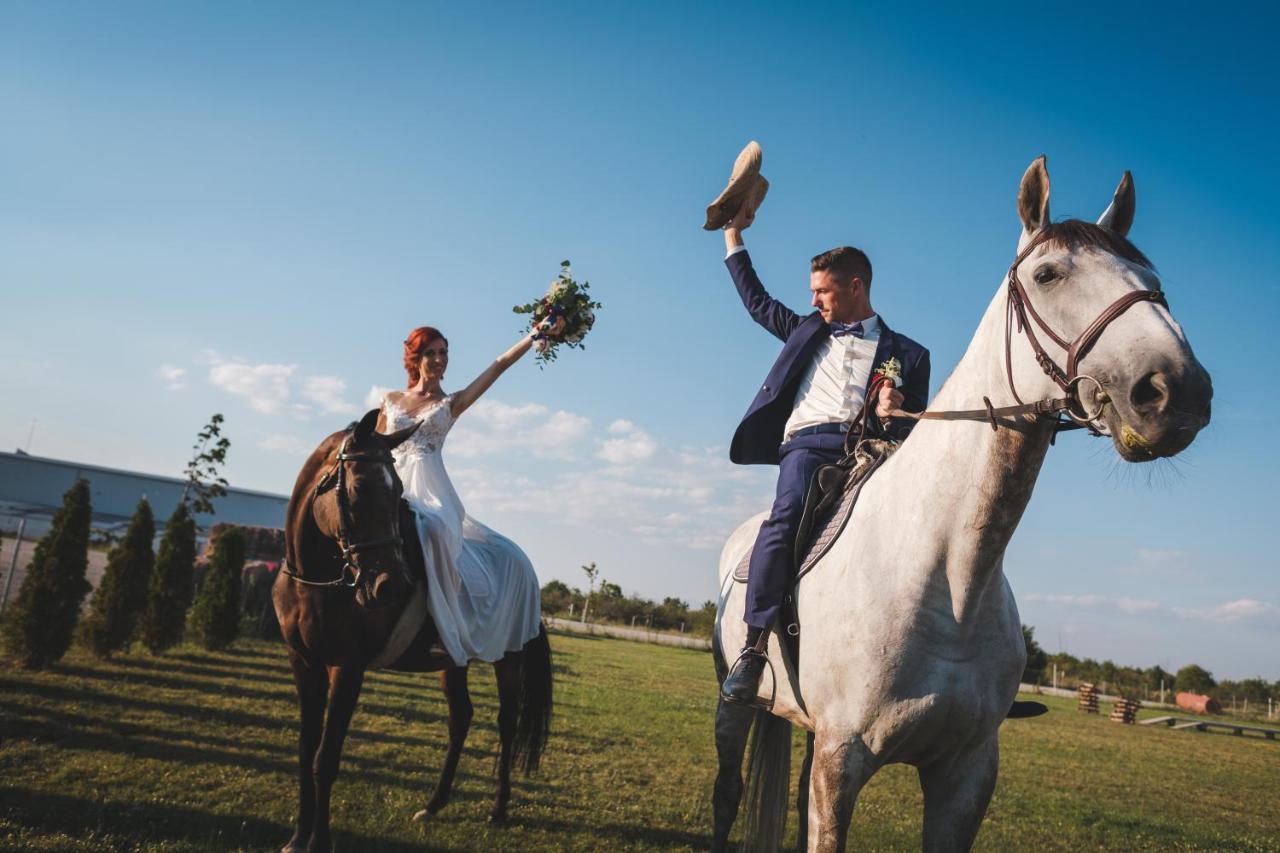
(845,263)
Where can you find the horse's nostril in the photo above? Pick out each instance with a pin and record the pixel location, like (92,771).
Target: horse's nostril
(1151,390)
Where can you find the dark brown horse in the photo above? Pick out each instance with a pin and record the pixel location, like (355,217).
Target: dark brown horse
(345,583)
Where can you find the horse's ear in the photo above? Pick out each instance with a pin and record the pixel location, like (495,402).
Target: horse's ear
(1033,200)
(395,439)
(1118,217)
(367,424)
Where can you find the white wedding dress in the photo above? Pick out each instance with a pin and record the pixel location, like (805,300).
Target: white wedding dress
(481,589)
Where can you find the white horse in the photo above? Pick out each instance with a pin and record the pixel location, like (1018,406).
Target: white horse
(911,648)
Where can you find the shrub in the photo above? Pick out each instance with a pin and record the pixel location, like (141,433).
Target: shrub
(39,628)
(1194,679)
(120,598)
(1037,660)
(170,586)
(215,617)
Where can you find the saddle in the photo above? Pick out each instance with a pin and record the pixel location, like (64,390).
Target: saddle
(829,501)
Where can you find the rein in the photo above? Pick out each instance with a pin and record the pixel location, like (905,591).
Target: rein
(1068,379)
(352,573)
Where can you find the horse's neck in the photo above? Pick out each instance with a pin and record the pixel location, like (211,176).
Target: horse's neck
(972,483)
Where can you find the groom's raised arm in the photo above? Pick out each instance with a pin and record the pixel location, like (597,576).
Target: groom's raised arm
(777,318)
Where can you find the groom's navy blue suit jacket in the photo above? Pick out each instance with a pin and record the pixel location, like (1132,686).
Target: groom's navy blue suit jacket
(759,435)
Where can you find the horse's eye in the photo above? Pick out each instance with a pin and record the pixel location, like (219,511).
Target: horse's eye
(1045,274)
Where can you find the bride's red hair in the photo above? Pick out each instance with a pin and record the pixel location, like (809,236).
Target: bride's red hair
(418,340)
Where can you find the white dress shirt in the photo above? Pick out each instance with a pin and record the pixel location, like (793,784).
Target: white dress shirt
(835,384)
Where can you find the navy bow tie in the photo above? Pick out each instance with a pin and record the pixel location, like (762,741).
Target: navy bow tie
(841,329)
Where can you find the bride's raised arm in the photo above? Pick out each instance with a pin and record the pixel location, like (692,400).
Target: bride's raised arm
(463,399)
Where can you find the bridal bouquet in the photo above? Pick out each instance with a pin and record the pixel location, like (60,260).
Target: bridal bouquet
(566,300)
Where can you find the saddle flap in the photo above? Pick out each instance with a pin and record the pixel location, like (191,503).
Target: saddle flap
(828,505)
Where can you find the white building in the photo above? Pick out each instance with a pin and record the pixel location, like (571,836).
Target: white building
(31,488)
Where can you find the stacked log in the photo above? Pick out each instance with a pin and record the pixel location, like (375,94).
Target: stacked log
(1125,711)
(1198,704)
(1088,698)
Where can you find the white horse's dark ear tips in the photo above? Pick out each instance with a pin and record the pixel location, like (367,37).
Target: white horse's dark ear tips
(1033,196)
(1118,217)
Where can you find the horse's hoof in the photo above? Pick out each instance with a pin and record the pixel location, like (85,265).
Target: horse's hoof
(497,818)
(297,844)
(421,815)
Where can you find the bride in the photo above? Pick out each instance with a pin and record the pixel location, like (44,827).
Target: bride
(481,588)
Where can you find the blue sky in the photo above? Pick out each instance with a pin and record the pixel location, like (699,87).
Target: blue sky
(243,208)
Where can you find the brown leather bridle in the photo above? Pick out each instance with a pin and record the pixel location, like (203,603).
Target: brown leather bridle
(1019,307)
(351,575)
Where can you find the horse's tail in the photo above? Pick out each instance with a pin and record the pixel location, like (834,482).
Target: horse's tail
(533,723)
(768,779)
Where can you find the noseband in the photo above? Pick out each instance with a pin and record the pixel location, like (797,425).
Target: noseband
(1068,379)
(352,573)
(1019,307)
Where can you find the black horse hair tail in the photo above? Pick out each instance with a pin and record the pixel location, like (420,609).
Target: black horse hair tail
(768,778)
(533,725)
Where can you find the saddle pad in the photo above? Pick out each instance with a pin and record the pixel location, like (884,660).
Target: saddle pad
(825,530)
(407,627)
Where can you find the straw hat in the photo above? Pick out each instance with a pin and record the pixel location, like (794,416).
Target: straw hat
(747,188)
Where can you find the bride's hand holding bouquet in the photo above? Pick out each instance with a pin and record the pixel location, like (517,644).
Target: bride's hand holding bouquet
(563,315)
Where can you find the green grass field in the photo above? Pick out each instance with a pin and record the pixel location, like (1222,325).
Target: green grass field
(196,752)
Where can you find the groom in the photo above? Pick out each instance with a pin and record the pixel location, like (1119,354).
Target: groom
(799,418)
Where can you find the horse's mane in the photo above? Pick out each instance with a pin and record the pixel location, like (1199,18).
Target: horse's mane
(1078,234)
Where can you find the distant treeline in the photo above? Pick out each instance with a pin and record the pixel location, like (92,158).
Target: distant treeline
(608,604)
(1138,683)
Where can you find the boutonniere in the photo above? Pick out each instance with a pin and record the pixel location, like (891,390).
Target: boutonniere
(892,371)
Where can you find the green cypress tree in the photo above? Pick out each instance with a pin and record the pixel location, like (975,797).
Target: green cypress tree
(169,589)
(120,598)
(215,617)
(40,626)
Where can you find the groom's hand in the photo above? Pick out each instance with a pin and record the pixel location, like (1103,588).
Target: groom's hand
(890,398)
(733,231)
(741,220)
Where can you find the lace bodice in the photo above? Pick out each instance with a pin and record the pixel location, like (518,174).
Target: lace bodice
(437,419)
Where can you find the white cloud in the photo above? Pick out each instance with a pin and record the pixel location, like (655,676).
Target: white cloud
(174,377)
(1240,610)
(633,445)
(265,385)
(493,428)
(374,398)
(692,498)
(1160,556)
(284,443)
(326,392)
(1123,603)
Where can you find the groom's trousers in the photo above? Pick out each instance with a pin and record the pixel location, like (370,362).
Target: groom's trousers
(773,565)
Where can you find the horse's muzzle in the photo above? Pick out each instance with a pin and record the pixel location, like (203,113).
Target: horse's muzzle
(1162,413)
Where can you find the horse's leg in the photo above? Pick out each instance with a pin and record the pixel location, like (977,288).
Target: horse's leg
(733,726)
(957,790)
(802,795)
(841,766)
(454,682)
(508,672)
(344,689)
(312,682)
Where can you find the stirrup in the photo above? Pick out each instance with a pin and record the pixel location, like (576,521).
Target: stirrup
(756,701)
